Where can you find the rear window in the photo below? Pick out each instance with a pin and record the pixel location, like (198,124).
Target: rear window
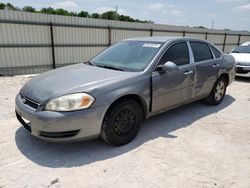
(201,51)
(216,52)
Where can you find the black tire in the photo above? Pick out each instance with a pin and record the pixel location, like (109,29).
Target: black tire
(216,96)
(122,122)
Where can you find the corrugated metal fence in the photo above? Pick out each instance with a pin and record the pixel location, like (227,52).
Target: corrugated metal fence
(33,43)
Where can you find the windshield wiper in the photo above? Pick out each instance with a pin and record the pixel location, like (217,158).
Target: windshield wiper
(110,67)
(89,63)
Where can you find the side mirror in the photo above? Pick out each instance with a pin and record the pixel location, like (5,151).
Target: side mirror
(168,66)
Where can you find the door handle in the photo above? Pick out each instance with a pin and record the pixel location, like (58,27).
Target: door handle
(215,65)
(188,72)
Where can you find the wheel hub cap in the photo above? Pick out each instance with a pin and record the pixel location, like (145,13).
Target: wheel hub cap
(124,122)
(220,89)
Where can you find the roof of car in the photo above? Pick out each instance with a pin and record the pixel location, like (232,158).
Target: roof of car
(161,39)
(245,44)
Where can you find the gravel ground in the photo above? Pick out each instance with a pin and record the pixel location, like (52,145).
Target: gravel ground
(192,146)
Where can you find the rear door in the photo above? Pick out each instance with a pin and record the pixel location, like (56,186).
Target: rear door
(173,88)
(207,68)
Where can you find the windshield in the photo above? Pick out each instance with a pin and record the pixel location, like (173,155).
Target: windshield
(242,49)
(127,55)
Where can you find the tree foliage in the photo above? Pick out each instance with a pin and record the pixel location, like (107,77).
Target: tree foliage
(8,6)
(110,15)
(83,14)
(200,27)
(48,10)
(2,6)
(28,9)
(95,15)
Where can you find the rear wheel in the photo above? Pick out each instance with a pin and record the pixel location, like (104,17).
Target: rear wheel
(218,92)
(122,122)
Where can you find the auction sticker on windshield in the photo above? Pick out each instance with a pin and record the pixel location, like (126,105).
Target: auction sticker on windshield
(151,45)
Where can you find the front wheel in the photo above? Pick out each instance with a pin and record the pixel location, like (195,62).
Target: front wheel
(218,92)
(122,122)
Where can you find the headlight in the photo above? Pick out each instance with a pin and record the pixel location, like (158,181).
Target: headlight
(70,102)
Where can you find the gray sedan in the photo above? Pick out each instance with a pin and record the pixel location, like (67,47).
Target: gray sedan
(113,93)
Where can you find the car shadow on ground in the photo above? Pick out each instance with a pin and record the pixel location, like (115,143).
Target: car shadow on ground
(77,154)
(242,79)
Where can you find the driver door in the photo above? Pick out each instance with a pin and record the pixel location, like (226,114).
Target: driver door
(173,88)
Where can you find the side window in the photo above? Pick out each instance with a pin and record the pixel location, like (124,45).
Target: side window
(178,54)
(201,51)
(216,52)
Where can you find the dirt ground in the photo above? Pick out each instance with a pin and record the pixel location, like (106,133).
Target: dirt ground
(193,146)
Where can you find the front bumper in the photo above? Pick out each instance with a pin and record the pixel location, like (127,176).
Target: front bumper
(243,70)
(60,126)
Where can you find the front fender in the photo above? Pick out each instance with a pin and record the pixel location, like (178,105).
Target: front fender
(139,86)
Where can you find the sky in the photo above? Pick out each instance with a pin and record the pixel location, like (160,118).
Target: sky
(227,14)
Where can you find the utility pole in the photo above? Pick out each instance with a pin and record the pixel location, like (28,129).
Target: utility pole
(115,33)
(212,27)
(116,9)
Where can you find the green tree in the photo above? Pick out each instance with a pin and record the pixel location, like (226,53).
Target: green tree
(28,9)
(124,18)
(83,14)
(2,6)
(95,15)
(73,14)
(150,21)
(48,10)
(61,11)
(11,7)
(201,27)
(109,15)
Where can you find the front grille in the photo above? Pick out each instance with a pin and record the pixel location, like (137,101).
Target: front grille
(59,134)
(29,102)
(241,70)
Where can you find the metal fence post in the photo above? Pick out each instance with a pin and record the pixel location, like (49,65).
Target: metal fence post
(224,43)
(151,32)
(184,33)
(52,45)
(110,36)
(206,36)
(239,40)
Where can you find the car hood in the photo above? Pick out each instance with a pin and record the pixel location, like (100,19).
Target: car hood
(241,57)
(70,79)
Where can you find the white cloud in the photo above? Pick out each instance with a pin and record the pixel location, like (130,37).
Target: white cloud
(243,7)
(156,6)
(105,9)
(176,13)
(213,15)
(166,9)
(245,19)
(229,1)
(67,5)
(160,7)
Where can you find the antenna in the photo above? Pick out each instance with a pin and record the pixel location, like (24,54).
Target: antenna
(212,27)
